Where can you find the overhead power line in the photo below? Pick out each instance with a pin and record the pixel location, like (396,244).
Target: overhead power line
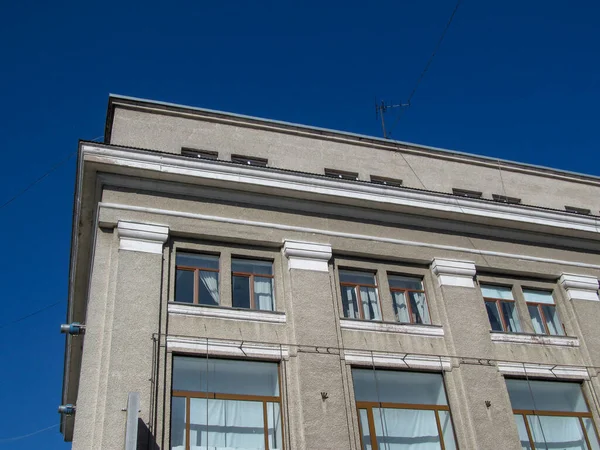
(18,438)
(20,319)
(431,58)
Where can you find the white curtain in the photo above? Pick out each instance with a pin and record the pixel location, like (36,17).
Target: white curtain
(420,301)
(401,307)
(536,319)
(370,306)
(554,326)
(350,295)
(510,315)
(263,293)
(210,280)
(553,432)
(406,429)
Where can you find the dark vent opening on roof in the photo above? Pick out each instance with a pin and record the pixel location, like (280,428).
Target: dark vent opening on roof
(341,174)
(506,199)
(386,181)
(466,193)
(249,160)
(196,153)
(576,210)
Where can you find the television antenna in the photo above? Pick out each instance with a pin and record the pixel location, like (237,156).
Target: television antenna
(381,108)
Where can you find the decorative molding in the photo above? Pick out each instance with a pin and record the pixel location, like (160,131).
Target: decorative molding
(142,237)
(307,255)
(543,370)
(226,313)
(220,347)
(580,287)
(397,360)
(362,237)
(403,328)
(342,190)
(536,339)
(454,273)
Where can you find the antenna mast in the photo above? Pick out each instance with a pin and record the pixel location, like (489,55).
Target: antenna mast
(380,110)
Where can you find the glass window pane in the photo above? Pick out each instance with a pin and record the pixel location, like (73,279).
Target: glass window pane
(538,296)
(418,304)
(178,422)
(348,276)
(398,387)
(252,266)
(225,376)
(274,426)
(553,432)
(405,282)
(588,424)
(263,294)
(548,395)
(494,316)
(349,302)
(552,320)
(400,429)
(536,319)
(400,307)
(523,437)
(370,303)
(511,318)
(184,286)
(241,292)
(500,292)
(226,424)
(447,430)
(197,260)
(364,429)
(208,288)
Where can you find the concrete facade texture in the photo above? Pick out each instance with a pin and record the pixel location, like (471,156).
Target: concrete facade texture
(126,295)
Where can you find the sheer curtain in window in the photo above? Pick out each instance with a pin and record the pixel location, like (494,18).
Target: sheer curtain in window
(210,280)
(263,293)
(550,432)
(420,302)
(406,429)
(370,306)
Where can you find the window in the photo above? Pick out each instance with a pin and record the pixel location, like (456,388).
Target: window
(500,306)
(386,181)
(341,174)
(197,279)
(196,153)
(410,303)
(402,410)
(576,210)
(552,415)
(225,404)
(466,193)
(506,199)
(543,312)
(359,295)
(249,160)
(252,282)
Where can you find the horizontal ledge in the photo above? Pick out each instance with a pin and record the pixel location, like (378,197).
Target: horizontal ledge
(543,370)
(399,360)
(392,327)
(226,313)
(227,348)
(536,339)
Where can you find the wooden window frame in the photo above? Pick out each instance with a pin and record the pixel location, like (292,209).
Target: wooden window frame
(250,277)
(497,302)
(358,297)
(371,425)
(196,271)
(543,317)
(242,397)
(407,299)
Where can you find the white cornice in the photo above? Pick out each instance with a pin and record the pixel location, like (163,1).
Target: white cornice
(401,328)
(225,313)
(580,287)
(307,255)
(338,190)
(543,370)
(220,347)
(142,237)
(535,339)
(397,360)
(454,273)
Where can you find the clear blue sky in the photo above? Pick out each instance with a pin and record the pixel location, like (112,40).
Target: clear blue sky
(513,79)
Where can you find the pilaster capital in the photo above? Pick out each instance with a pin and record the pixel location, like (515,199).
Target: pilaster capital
(580,287)
(142,237)
(454,273)
(307,255)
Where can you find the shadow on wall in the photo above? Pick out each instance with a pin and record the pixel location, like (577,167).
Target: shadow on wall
(145,439)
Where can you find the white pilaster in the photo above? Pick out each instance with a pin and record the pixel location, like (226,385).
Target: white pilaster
(454,273)
(580,287)
(142,237)
(307,255)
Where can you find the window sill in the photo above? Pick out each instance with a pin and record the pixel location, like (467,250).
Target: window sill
(392,327)
(524,338)
(226,313)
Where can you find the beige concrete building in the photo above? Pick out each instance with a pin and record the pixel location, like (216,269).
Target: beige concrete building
(266,285)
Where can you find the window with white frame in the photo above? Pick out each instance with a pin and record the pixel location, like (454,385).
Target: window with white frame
(360,299)
(400,410)
(542,310)
(409,299)
(552,415)
(501,308)
(220,404)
